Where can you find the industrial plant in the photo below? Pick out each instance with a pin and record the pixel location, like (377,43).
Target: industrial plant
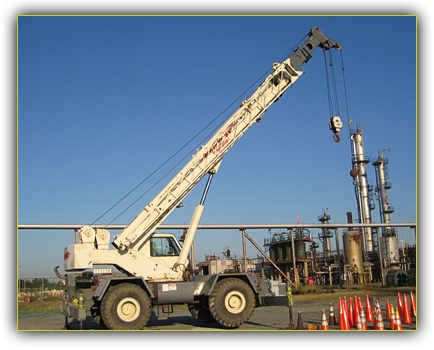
(369,253)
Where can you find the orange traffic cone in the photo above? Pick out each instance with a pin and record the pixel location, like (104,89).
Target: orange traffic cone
(400,307)
(375,315)
(369,316)
(398,324)
(359,323)
(363,319)
(360,304)
(324,324)
(356,309)
(340,314)
(332,318)
(379,324)
(388,309)
(407,317)
(392,317)
(351,314)
(345,319)
(345,304)
(299,321)
(413,305)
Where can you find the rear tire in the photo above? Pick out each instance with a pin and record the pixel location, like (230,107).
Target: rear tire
(231,302)
(126,307)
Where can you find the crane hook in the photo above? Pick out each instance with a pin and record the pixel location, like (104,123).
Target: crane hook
(335,125)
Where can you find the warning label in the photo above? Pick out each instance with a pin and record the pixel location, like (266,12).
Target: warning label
(167,287)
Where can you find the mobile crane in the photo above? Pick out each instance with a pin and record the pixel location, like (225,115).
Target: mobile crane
(152,265)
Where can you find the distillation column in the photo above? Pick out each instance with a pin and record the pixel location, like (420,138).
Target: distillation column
(360,159)
(326,235)
(389,239)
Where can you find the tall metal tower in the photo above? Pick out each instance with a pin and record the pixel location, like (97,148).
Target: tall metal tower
(389,239)
(326,235)
(363,190)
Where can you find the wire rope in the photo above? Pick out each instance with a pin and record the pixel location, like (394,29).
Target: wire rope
(345,87)
(293,49)
(173,155)
(328,85)
(335,93)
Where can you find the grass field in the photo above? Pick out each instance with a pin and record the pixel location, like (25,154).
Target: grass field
(48,305)
(361,290)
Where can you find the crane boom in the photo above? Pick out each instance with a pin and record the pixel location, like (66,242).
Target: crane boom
(208,157)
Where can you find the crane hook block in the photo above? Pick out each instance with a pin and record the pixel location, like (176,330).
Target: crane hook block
(335,125)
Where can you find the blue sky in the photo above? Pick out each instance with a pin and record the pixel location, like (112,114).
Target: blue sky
(103,101)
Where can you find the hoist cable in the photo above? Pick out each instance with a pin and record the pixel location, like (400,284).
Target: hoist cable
(328,85)
(335,93)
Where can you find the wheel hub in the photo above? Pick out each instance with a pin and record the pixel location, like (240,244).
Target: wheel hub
(128,309)
(235,302)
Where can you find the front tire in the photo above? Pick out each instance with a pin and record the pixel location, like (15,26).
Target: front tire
(231,302)
(126,307)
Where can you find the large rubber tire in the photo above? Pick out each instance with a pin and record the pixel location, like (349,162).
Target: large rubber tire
(95,311)
(201,312)
(231,302)
(126,307)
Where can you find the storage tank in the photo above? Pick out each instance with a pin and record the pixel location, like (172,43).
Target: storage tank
(390,250)
(288,251)
(273,249)
(300,250)
(282,248)
(280,253)
(353,252)
(272,253)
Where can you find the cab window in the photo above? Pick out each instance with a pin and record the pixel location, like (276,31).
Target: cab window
(164,246)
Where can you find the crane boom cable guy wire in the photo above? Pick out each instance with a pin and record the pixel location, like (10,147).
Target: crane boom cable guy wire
(345,87)
(173,155)
(186,144)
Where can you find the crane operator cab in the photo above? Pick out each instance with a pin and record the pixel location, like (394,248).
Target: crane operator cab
(164,246)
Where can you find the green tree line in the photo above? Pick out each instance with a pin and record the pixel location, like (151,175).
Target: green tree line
(37,283)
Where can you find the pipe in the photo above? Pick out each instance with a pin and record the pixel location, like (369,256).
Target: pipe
(294,265)
(339,257)
(381,261)
(58,274)
(244,251)
(403,254)
(214,226)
